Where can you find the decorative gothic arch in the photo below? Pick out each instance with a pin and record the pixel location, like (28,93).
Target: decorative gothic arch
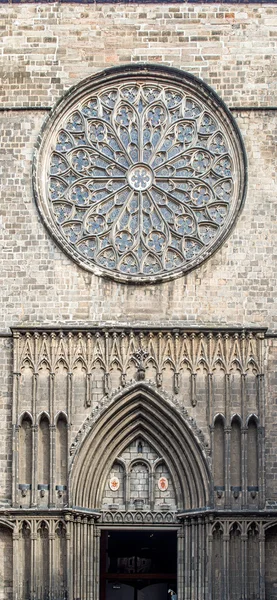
(140,412)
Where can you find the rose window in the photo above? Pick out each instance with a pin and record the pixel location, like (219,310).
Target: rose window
(140,173)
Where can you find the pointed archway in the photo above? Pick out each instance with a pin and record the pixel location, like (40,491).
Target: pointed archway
(140,412)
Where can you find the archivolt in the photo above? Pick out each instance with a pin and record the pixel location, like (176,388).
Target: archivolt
(140,413)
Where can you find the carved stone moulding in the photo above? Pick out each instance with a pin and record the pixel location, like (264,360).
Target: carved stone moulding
(139,173)
(139,517)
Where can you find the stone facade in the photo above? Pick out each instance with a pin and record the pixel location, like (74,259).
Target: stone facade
(78,409)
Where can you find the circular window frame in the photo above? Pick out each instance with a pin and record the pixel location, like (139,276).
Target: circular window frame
(141,73)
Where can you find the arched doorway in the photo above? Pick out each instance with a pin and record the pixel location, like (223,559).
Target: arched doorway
(139,465)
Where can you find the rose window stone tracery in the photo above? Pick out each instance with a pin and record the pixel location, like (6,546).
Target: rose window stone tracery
(140,177)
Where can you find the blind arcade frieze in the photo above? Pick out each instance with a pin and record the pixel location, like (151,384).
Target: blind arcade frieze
(81,368)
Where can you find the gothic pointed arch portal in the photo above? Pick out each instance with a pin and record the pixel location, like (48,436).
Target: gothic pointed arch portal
(143,417)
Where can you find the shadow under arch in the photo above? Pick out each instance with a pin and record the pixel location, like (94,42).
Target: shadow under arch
(141,412)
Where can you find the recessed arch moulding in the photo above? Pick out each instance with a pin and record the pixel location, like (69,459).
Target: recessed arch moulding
(140,413)
(140,173)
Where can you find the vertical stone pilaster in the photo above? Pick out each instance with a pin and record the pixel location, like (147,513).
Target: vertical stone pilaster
(52,439)
(210,397)
(193,389)
(151,489)
(15,467)
(34,465)
(52,434)
(227,398)
(127,490)
(16,559)
(212,491)
(69,397)
(227,437)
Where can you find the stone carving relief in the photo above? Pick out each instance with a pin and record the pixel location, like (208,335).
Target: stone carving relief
(141,176)
(94,357)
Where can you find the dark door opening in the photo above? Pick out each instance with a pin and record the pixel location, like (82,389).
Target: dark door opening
(138,565)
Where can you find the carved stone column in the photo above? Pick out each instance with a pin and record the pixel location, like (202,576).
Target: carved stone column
(34,561)
(16,559)
(15,471)
(51,556)
(96,562)
(69,556)
(90,557)
(209,538)
(226,543)
(262,563)
(34,465)
(187,546)
(244,540)
(180,563)
(84,547)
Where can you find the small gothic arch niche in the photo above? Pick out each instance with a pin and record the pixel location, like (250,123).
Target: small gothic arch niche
(252,386)
(115,488)
(235,385)
(25,457)
(136,176)
(139,447)
(61,456)
(26,384)
(25,559)
(235,562)
(219,386)
(217,562)
(201,384)
(164,492)
(43,386)
(43,466)
(253,562)
(61,376)
(219,456)
(235,456)
(79,382)
(140,484)
(60,583)
(252,457)
(43,559)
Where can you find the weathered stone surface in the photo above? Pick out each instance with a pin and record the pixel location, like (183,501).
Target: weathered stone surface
(54,399)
